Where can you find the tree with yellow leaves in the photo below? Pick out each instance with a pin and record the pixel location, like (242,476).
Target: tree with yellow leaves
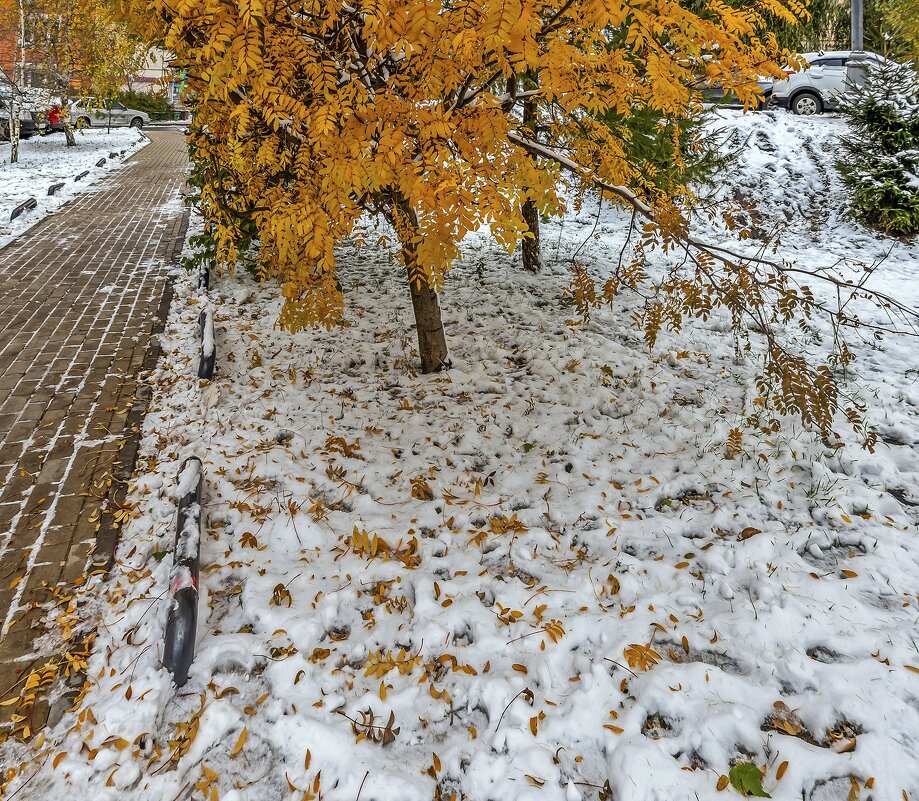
(13,21)
(315,112)
(903,18)
(80,46)
(446,115)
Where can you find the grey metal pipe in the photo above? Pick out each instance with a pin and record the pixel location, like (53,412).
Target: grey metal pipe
(858,25)
(182,615)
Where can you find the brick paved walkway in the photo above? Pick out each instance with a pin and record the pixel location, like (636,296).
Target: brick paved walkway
(79,298)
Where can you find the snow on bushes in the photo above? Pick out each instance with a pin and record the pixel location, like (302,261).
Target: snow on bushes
(879,160)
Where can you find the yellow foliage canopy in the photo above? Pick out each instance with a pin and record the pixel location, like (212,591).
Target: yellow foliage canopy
(310,112)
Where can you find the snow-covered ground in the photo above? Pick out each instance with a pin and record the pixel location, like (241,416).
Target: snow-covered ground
(538,576)
(46,160)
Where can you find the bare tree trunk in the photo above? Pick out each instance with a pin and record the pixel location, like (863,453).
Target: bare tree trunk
(532,259)
(17,88)
(68,134)
(14,132)
(432,343)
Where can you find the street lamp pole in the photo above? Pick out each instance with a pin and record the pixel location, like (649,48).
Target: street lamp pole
(858,28)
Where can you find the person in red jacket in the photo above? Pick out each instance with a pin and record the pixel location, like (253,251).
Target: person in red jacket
(55,122)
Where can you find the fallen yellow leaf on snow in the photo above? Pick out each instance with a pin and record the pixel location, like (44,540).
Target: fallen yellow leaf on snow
(240,742)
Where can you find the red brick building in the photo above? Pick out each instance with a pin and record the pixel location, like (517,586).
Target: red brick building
(8,38)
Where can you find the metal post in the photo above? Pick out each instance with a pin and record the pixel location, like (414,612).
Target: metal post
(858,28)
(182,614)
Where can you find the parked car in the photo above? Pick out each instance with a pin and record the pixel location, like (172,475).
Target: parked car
(819,87)
(85,114)
(716,93)
(29,123)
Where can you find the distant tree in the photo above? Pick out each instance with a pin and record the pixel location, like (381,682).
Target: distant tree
(111,56)
(13,18)
(825,27)
(879,35)
(55,26)
(80,46)
(901,18)
(891,28)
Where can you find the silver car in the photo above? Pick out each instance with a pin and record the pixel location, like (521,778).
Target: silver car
(86,113)
(29,123)
(818,88)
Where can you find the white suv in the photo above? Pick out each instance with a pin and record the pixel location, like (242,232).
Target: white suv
(830,75)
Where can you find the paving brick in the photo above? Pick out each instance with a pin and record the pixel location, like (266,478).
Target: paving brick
(69,356)
(32,412)
(16,487)
(54,553)
(60,532)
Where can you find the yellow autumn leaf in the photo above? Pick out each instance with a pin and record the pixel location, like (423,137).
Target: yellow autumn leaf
(240,742)
(643,657)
